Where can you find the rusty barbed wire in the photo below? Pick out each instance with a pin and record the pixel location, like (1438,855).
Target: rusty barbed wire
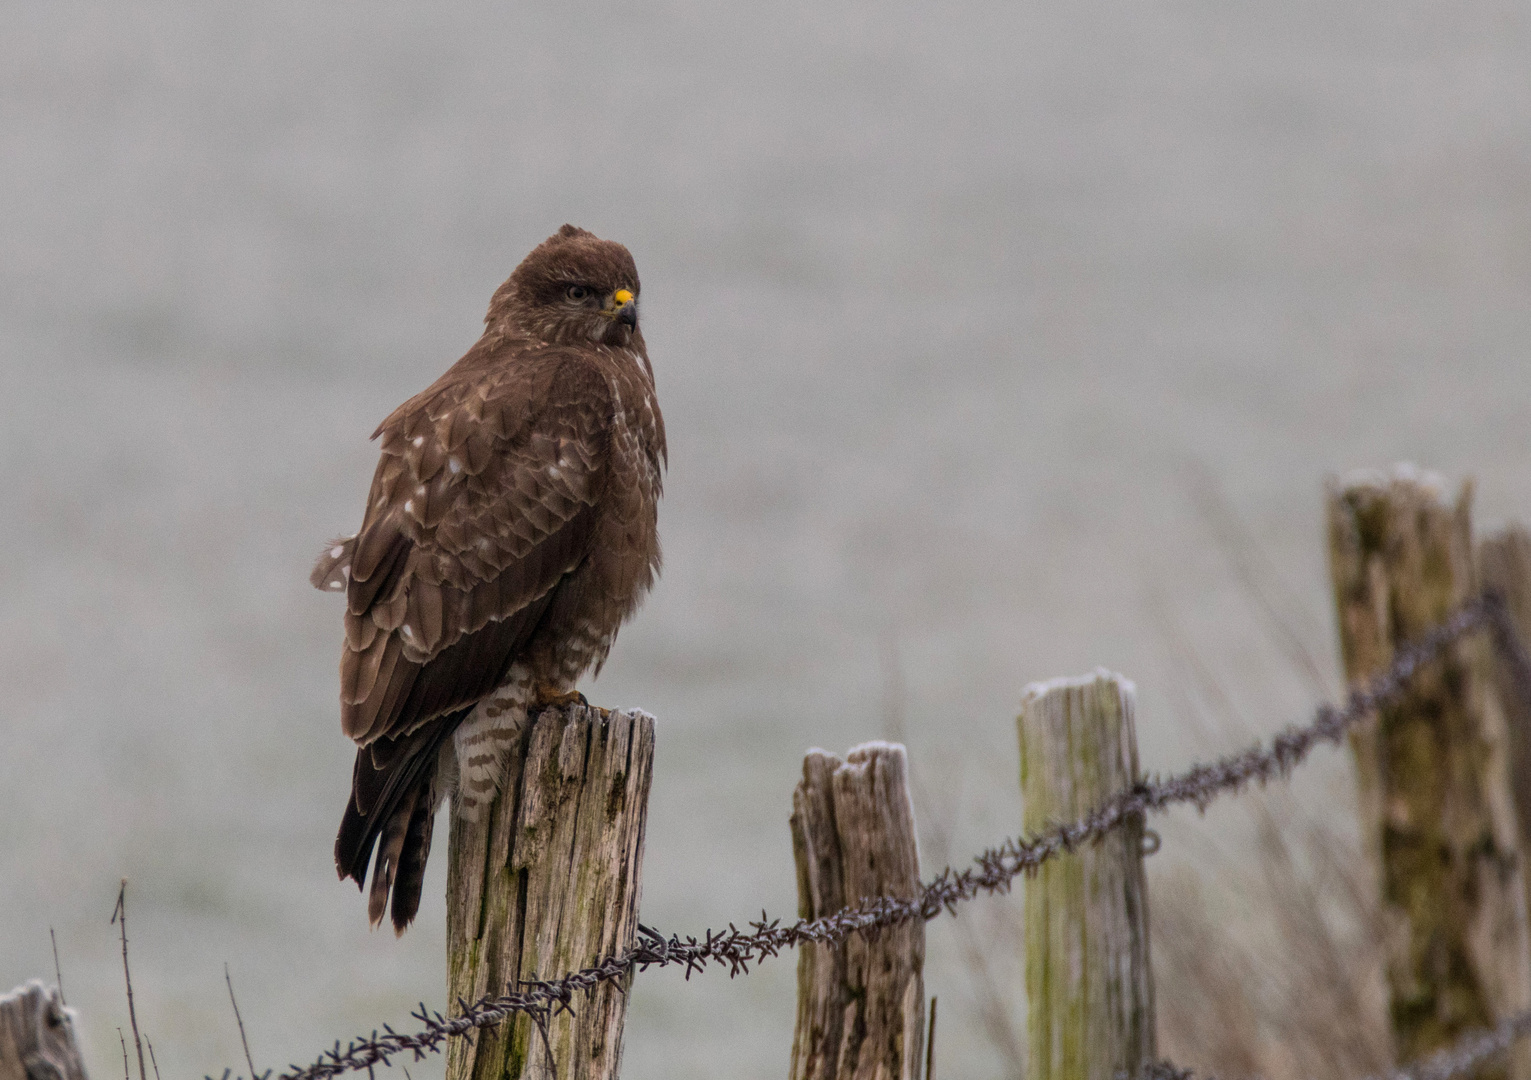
(992,871)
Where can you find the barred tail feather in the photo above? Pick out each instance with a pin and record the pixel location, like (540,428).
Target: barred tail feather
(392,804)
(389,848)
(410,877)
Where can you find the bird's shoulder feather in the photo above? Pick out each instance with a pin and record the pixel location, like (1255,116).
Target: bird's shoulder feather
(484,497)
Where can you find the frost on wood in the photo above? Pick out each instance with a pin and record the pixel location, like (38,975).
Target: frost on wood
(37,1036)
(861,1002)
(546,882)
(1437,813)
(1088,984)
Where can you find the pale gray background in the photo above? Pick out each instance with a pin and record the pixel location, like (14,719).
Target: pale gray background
(953,309)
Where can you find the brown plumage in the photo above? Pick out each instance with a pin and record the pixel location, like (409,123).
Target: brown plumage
(509,531)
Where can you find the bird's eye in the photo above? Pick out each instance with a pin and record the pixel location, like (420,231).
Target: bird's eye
(577,293)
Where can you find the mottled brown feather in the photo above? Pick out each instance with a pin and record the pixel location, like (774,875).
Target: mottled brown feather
(510,477)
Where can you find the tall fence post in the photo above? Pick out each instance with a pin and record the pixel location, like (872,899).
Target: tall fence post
(37,1036)
(1504,564)
(861,1003)
(1089,987)
(546,882)
(1437,813)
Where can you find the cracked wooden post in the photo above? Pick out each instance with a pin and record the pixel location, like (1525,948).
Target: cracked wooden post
(546,882)
(1504,564)
(1089,987)
(860,1004)
(1437,814)
(37,1036)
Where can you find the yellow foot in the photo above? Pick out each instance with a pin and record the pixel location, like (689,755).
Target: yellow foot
(546,695)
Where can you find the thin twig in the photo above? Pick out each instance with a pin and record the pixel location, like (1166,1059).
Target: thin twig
(151,1057)
(930,1043)
(120,917)
(248,1059)
(58,974)
(126,1073)
(1458,1059)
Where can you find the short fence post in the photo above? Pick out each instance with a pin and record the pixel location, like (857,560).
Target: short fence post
(1089,986)
(37,1035)
(546,882)
(1437,813)
(861,1003)
(1504,564)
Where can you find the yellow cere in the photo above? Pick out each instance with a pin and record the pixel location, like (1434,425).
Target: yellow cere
(622,296)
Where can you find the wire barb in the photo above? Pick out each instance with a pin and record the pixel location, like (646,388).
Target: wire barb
(992,871)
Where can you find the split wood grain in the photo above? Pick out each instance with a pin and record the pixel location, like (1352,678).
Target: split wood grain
(1437,814)
(861,1003)
(548,881)
(1504,564)
(37,1036)
(1089,987)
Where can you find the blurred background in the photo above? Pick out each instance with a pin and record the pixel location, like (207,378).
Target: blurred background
(996,341)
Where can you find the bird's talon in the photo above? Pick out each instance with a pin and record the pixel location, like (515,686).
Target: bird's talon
(546,696)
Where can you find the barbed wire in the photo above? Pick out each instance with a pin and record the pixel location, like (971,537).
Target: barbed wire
(992,871)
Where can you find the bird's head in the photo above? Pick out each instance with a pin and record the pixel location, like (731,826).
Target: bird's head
(573,288)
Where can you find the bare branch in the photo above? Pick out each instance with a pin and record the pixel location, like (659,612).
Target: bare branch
(930,1043)
(120,917)
(238,1019)
(58,974)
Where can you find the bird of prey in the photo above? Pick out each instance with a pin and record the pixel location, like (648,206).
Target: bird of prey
(509,532)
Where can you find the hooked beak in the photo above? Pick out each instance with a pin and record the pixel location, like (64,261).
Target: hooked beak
(626,311)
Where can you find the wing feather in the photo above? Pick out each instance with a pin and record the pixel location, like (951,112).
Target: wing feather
(482,502)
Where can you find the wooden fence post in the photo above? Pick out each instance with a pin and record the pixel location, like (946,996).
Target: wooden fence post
(547,882)
(1089,987)
(860,1004)
(1504,563)
(37,1036)
(1437,813)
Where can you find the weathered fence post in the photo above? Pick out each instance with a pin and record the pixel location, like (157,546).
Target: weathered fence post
(861,1003)
(1089,988)
(1437,813)
(1504,564)
(546,882)
(37,1036)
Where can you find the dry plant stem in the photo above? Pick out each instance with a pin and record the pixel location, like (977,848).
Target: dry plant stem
(127,1070)
(1089,989)
(1437,811)
(860,1001)
(1279,607)
(120,917)
(58,973)
(238,1020)
(548,880)
(930,1043)
(1468,1054)
(152,1061)
(992,872)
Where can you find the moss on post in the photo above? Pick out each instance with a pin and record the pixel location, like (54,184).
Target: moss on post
(547,882)
(1089,987)
(1437,813)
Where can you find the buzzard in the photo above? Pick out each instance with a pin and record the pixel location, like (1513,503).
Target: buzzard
(509,532)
